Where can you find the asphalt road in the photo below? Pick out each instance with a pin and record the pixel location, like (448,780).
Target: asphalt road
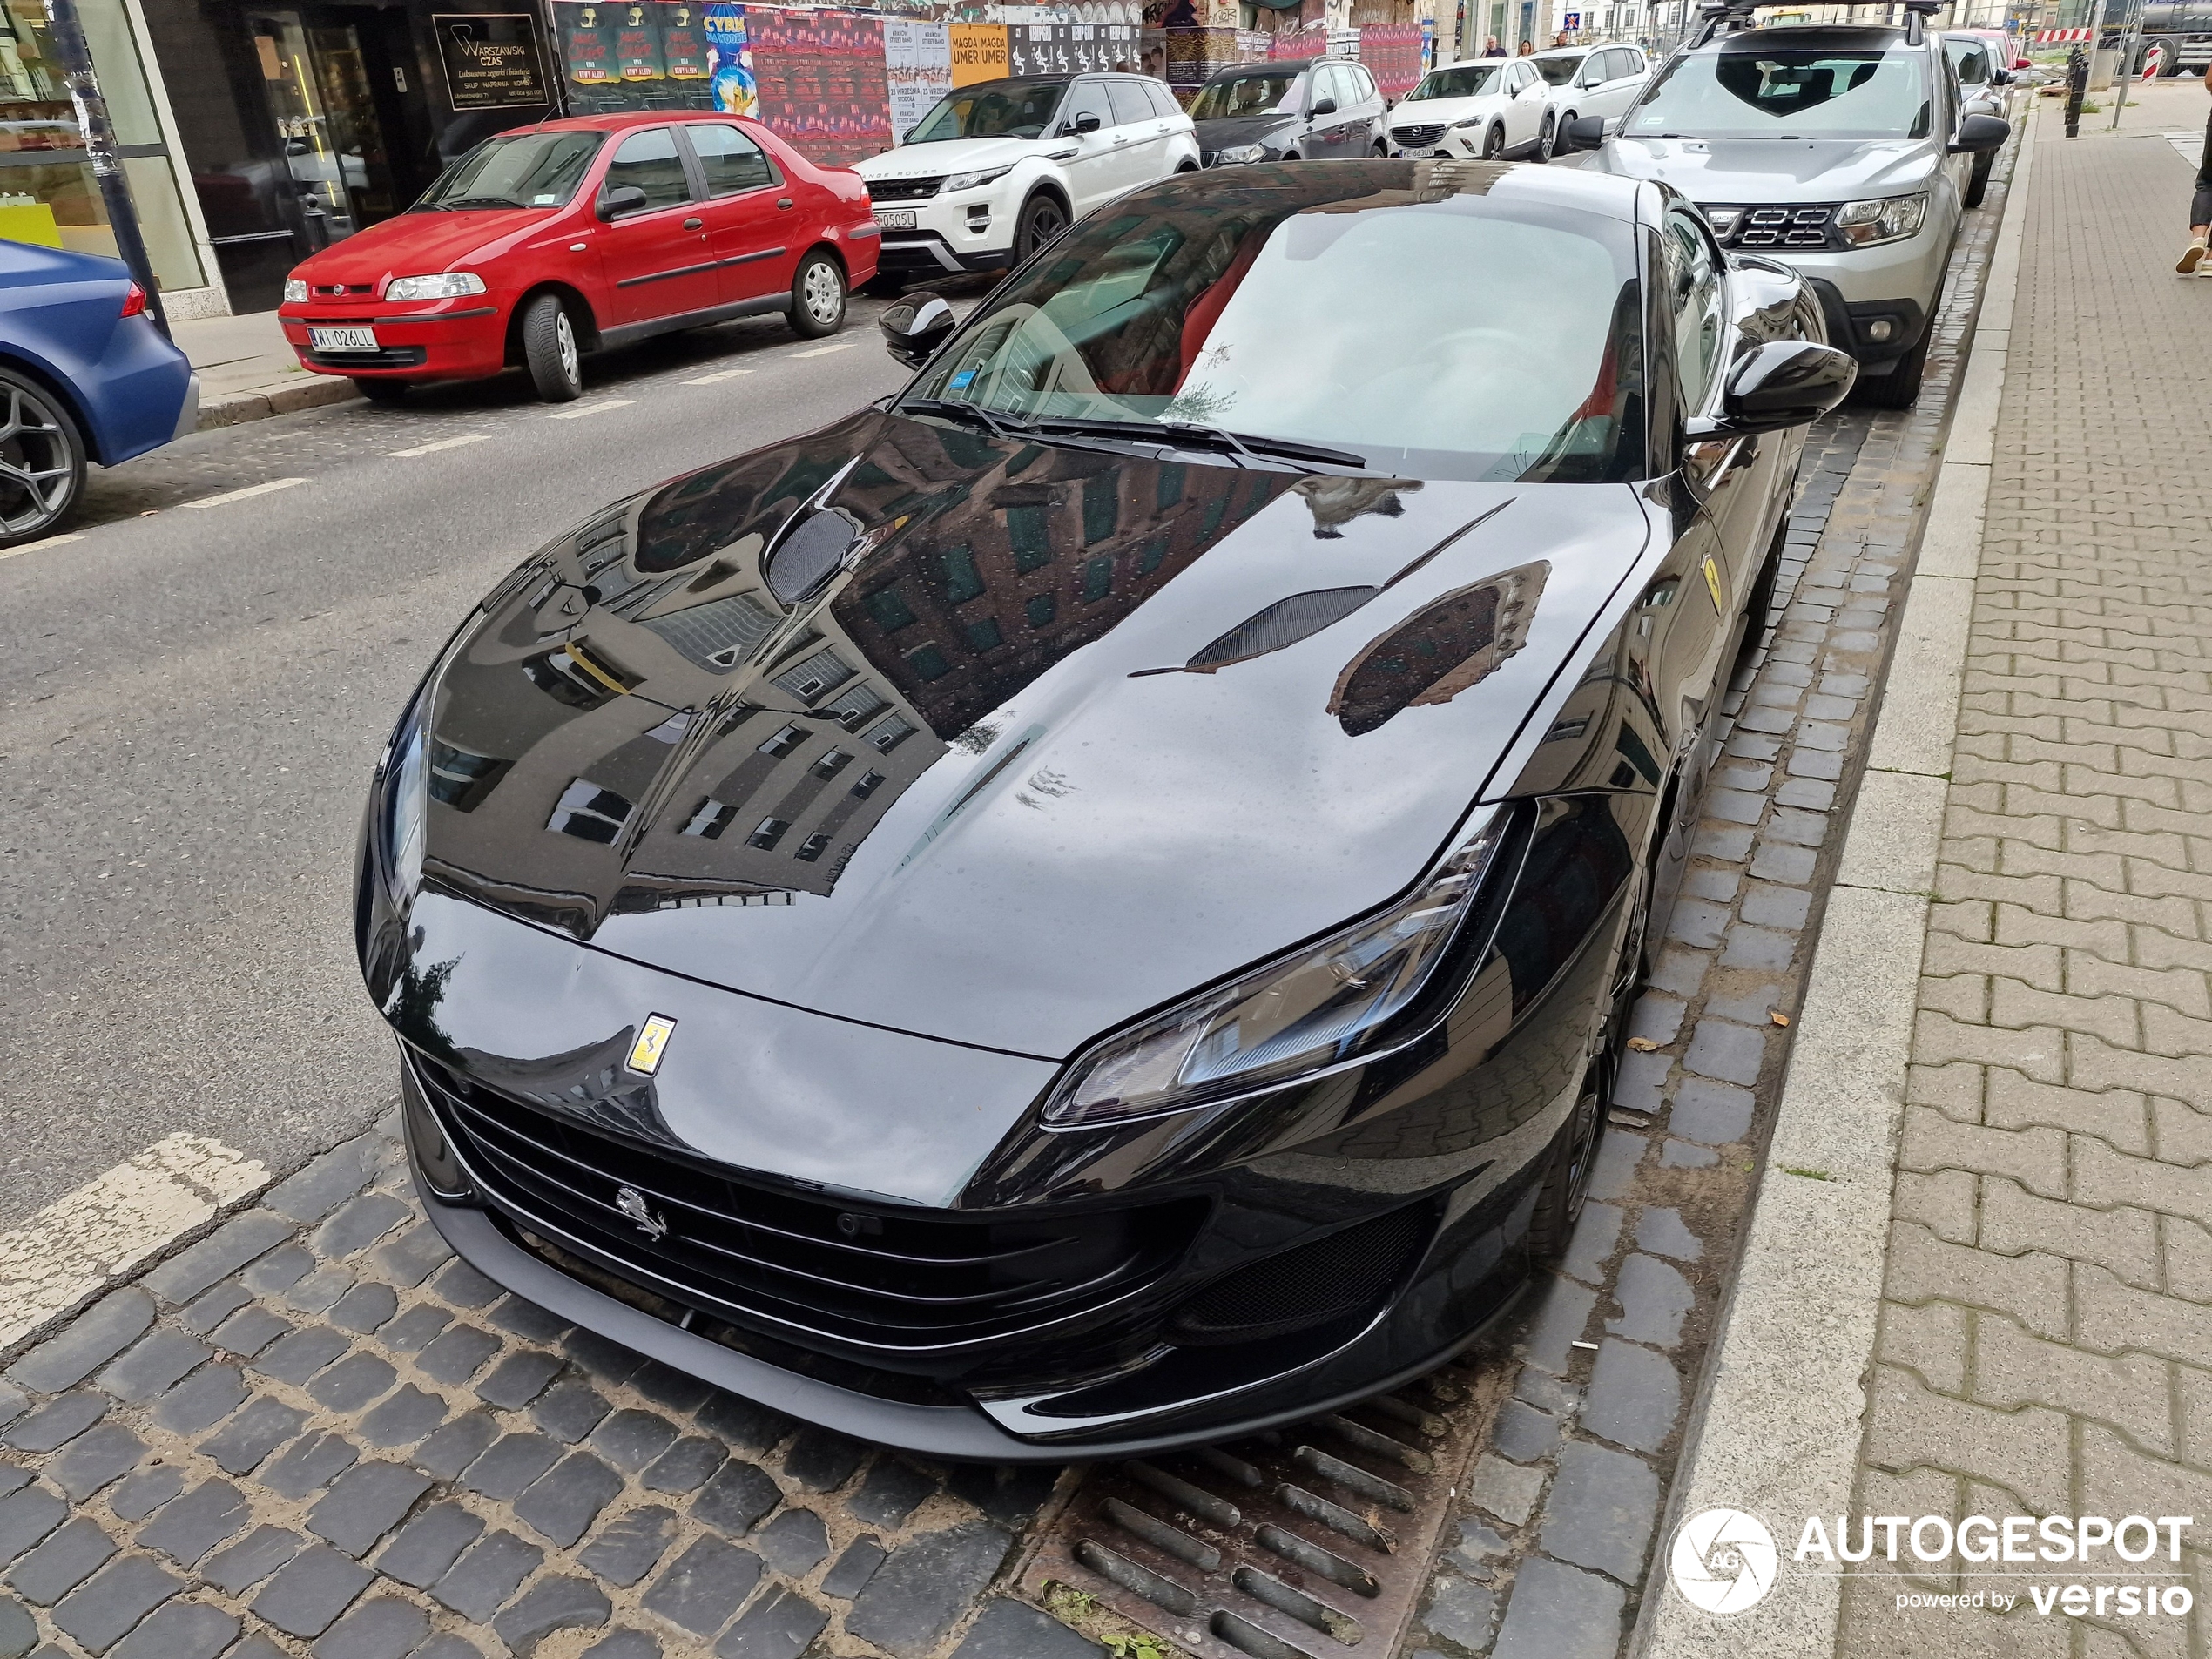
(201,688)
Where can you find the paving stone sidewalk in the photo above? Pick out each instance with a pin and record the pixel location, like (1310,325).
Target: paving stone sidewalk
(2045,1341)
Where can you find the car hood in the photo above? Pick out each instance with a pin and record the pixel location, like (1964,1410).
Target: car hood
(1231,130)
(951,156)
(1739,171)
(1442,112)
(422,244)
(971,789)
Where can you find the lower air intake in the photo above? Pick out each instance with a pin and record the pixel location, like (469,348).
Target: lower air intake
(1347,1272)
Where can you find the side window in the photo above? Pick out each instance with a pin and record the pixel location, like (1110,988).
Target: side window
(1164,104)
(731,161)
(1130,105)
(1366,85)
(1618,65)
(1086,97)
(647,161)
(1694,301)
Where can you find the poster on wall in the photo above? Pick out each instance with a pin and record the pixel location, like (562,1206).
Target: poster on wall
(1069,49)
(1393,55)
(683,43)
(632,55)
(820,80)
(637,44)
(492,60)
(587,46)
(918,61)
(979,52)
(729,64)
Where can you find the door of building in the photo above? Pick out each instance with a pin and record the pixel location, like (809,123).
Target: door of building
(317,67)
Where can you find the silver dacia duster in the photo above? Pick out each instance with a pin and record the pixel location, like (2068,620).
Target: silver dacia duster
(1841,149)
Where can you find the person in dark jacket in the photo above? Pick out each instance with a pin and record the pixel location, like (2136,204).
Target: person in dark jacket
(2200,203)
(1491,49)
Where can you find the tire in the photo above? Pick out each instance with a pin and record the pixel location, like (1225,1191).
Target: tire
(42,460)
(1043,219)
(1186,166)
(1566,1181)
(1900,387)
(817,297)
(381,391)
(1547,136)
(1381,151)
(885,284)
(549,350)
(1978,181)
(1494,144)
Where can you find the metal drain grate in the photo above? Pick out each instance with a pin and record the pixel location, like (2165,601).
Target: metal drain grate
(1307,1542)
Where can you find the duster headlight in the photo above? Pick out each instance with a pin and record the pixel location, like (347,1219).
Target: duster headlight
(1889,219)
(1354,995)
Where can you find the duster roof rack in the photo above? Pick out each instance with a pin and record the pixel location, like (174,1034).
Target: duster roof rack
(1724,16)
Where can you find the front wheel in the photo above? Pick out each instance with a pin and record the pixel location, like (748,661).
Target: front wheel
(1547,136)
(1494,144)
(41,461)
(1043,219)
(549,350)
(1566,1182)
(380,391)
(1900,387)
(817,297)
(1382,149)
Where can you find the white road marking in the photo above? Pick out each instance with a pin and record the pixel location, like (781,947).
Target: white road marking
(113,1224)
(724,374)
(229,496)
(823,351)
(443,443)
(582,409)
(32,547)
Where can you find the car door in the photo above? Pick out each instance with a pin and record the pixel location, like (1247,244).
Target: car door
(1140,147)
(1173,125)
(749,214)
(657,257)
(1369,120)
(1346,128)
(1092,171)
(1530,97)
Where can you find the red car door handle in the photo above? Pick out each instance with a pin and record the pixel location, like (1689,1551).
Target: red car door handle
(786,202)
(694,224)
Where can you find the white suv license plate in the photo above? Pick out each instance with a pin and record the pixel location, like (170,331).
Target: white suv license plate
(324,340)
(894,218)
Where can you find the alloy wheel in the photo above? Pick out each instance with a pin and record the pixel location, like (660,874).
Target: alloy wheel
(824,300)
(1045,221)
(564,343)
(37,471)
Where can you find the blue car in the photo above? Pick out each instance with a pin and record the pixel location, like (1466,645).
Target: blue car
(84,374)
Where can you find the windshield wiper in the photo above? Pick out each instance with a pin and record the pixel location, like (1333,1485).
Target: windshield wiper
(479,201)
(997,424)
(1250,447)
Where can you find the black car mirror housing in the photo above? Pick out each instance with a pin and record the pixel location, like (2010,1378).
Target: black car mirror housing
(620,199)
(913,329)
(1326,106)
(1585,132)
(1784,383)
(1981,132)
(1085,123)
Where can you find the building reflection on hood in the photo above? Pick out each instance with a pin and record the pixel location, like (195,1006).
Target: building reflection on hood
(642,724)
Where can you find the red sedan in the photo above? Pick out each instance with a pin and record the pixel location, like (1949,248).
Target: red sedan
(555,240)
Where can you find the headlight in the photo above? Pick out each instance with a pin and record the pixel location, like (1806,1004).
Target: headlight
(450,285)
(1890,219)
(402,775)
(969,180)
(1238,154)
(1469,121)
(296,291)
(1345,998)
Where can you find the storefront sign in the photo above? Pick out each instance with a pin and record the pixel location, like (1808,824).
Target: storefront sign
(492,60)
(979,52)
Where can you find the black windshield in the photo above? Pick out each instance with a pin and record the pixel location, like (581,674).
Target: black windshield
(1770,93)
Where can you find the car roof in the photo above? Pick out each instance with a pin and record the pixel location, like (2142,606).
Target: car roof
(621,121)
(1281,65)
(1813,37)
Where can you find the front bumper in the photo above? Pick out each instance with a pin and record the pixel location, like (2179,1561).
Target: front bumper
(972,230)
(1898,283)
(452,340)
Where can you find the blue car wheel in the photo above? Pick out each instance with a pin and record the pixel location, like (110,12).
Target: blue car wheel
(42,460)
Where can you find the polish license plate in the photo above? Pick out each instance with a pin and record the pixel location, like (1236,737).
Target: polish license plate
(894,218)
(341,339)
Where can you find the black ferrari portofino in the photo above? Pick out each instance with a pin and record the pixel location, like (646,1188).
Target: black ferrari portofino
(1090,907)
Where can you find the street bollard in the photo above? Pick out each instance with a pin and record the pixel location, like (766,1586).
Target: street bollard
(2077,83)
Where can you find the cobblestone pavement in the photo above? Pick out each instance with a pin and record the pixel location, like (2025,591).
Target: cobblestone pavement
(313,1433)
(2047,1342)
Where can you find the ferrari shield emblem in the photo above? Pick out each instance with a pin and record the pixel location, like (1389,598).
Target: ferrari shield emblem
(653,1038)
(1713,585)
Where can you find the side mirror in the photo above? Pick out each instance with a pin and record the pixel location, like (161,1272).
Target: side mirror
(1585,132)
(913,328)
(1981,132)
(1784,383)
(2000,77)
(1324,106)
(622,198)
(1086,122)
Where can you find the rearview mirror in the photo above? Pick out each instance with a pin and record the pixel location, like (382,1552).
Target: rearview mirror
(913,328)
(1324,106)
(1784,383)
(2000,77)
(622,198)
(1086,122)
(1981,132)
(1585,132)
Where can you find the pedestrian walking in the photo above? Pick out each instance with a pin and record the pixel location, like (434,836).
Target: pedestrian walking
(2200,203)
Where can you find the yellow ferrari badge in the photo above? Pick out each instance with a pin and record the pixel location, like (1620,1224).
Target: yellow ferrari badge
(1713,585)
(653,1038)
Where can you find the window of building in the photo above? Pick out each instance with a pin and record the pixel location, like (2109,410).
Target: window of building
(812,848)
(590,812)
(461,779)
(770,832)
(1170,489)
(1154,554)
(1041,610)
(1102,507)
(929,663)
(825,670)
(985,635)
(1030,535)
(961,583)
(784,741)
(889,735)
(889,610)
(710,819)
(868,784)
(1098,579)
(832,763)
(853,704)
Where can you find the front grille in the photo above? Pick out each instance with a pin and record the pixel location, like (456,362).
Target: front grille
(903,190)
(340,288)
(1418,138)
(388,357)
(884,1279)
(1781,226)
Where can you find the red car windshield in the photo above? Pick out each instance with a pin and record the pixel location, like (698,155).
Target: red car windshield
(525,170)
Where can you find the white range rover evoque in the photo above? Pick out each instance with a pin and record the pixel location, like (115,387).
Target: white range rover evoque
(998,169)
